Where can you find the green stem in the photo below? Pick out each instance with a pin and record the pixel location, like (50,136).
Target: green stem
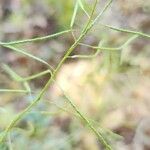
(21,114)
(36,75)
(34,39)
(13,91)
(86,120)
(28,54)
(88,26)
(112,48)
(98,48)
(127,31)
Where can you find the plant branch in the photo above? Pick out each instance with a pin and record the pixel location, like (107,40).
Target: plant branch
(34,39)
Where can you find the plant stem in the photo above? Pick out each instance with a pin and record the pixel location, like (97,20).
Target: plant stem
(34,39)
(87,27)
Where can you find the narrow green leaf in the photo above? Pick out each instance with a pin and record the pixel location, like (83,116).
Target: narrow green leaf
(37,75)
(27,87)
(27,54)
(83,8)
(132,38)
(13,91)
(11,73)
(74,14)
(84,118)
(127,31)
(102,12)
(35,39)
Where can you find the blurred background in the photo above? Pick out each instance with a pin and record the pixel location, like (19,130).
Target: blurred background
(112,89)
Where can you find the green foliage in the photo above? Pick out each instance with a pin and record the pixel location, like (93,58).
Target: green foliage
(64,9)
